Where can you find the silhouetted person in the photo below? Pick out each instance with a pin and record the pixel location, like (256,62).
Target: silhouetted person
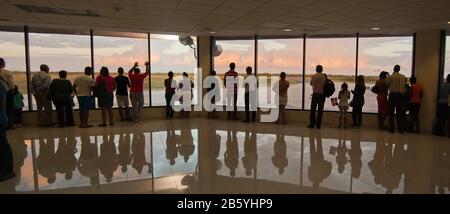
(40,84)
(83,86)
(7,78)
(171,146)
(231,155)
(215,87)
(281,97)
(250,85)
(105,86)
(279,158)
(123,83)
(185,87)
(231,81)
(46,160)
(358,101)
(107,161)
(396,85)
(170,85)
(355,154)
(443,109)
(318,98)
(137,89)
(65,160)
(139,158)
(377,164)
(341,157)
(6,156)
(124,152)
(61,93)
(320,168)
(250,153)
(87,162)
(382,93)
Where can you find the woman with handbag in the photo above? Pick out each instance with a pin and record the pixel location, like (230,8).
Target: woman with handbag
(104,88)
(358,101)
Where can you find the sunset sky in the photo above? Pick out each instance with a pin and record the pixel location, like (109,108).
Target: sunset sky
(72,53)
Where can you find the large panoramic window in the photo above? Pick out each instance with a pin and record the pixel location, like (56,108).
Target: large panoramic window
(242,53)
(377,54)
(114,52)
(338,58)
(276,56)
(12,49)
(71,53)
(447,57)
(168,54)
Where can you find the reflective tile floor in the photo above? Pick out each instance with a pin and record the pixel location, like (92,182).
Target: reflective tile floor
(203,156)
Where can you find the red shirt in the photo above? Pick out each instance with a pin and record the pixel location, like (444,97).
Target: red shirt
(137,82)
(108,81)
(416,92)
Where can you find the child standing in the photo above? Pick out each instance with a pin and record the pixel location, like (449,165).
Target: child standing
(344,96)
(17,108)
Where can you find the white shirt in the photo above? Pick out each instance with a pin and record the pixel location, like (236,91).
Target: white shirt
(40,82)
(84,84)
(251,81)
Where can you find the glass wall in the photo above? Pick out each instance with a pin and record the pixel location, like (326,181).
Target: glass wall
(12,50)
(71,53)
(168,54)
(447,57)
(338,58)
(114,52)
(276,56)
(378,54)
(242,53)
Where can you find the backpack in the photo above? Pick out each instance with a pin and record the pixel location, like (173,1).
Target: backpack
(329,88)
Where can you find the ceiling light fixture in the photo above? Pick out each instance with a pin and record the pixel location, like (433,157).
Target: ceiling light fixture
(376,28)
(212,32)
(287,30)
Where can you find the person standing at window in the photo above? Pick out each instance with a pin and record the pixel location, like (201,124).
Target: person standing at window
(231,84)
(443,111)
(106,85)
(137,89)
(83,86)
(123,83)
(382,93)
(40,84)
(61,93)
(358,101)
(250,85)
(186,87)
(281,90)
(318,98)
(171,85)
(18,106)
(7,76)
(344,96)
(396,86)
(216,91)
(416,94)
(6,155)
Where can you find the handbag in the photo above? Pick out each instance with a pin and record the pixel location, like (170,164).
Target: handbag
(375,89)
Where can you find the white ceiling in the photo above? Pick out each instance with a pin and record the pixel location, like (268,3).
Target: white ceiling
(240,17)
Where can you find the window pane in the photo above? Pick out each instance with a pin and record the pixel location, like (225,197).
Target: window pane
(12,50)
(382,54)
(115,52)
(71,53)
(276,56)
(168,54)
(242,53)
(338,58)
(447,57)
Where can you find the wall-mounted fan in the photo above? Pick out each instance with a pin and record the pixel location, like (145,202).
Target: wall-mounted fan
(217,50)
(188,41)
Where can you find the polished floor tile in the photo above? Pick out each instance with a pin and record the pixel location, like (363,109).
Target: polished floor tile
(213,156)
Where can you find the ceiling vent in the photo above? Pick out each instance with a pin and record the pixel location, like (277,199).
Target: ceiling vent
(57,10)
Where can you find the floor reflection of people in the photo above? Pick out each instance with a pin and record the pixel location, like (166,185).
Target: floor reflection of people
(279,159)
(250,153)
(186,147)
(341,156)
(46,159)
(215,151)
(87,162)
(107,161)
(320,168)
(355,154)
(231,156)
(65,160)
(20,153)
(441,171)
(138,149)
(124,152)
(171,146)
